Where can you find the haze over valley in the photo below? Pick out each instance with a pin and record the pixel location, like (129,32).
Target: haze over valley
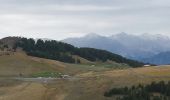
(144,47)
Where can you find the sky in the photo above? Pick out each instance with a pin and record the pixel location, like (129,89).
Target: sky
(59,19)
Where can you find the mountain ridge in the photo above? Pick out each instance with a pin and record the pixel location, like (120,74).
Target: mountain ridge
(135,47)
(64,52)
(159,59)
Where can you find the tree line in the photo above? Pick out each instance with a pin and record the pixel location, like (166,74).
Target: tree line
(153,91)
(56,50)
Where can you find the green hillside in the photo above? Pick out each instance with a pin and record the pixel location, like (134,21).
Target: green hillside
(64,52)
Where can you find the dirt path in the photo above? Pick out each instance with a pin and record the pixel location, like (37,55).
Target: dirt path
(24,91)
(45,80)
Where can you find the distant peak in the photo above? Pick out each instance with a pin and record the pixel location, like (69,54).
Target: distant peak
(122,34)
(92,35)
(155,36)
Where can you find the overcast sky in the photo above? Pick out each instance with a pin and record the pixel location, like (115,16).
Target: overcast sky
(58,19)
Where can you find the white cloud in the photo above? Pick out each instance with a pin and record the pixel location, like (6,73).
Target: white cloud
(59,19)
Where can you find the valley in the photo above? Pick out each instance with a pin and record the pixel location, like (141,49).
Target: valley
(84,50)
(87,81)
(53,70)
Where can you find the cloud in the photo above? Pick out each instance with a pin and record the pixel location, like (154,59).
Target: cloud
(59,19)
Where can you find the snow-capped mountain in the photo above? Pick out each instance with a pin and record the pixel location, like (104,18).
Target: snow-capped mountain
(131,46)
(142,46)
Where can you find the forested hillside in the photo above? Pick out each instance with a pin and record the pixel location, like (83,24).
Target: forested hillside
(63,52)
(154,91)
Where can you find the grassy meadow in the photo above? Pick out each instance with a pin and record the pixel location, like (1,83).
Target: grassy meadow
(88,81)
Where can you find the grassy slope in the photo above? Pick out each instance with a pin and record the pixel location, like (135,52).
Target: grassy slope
(12,65)
(94,81)
(91,86)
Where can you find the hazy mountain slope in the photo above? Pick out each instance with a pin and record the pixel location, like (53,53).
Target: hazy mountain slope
(64,52)
(143,45)
(159,59)
(96,41)
(131,46)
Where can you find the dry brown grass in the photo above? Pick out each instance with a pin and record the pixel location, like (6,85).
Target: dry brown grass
(13,65)
(24,91)
(90,84)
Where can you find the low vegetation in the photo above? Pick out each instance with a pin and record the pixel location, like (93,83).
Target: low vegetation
(47,74)
(153,91)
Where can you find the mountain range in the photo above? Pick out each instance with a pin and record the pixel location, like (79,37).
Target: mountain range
(56,50)
(159,59)
(144,47)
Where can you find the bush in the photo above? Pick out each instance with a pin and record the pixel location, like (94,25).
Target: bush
(141,92)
